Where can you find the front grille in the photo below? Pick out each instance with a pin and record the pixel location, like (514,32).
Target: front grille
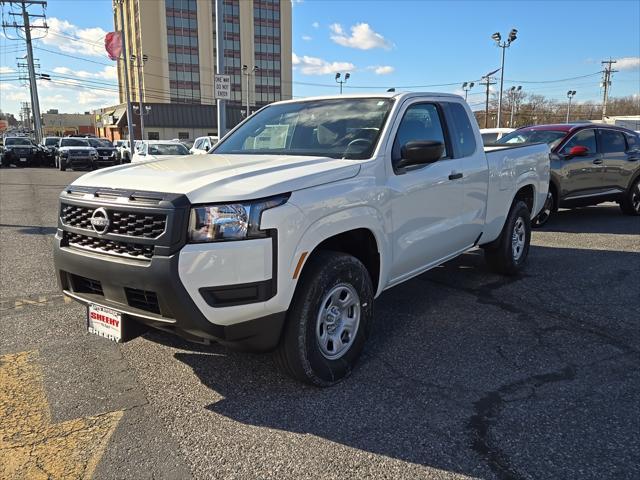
(78,152)
(86,285)
(142,299)
(114,247)
(131,224)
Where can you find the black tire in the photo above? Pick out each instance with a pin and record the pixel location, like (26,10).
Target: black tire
(547,210)
(501,255)
(630,204)
(299,353)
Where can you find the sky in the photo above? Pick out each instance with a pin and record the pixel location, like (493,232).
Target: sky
(410,45)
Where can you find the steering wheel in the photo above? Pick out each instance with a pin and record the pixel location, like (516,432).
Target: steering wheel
(365,142)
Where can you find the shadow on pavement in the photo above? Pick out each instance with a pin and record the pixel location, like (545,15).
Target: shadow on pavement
(473,373)
(598,219)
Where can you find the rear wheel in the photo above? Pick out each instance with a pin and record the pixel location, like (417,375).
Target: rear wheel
(329,320)
(630,204)
(508,254)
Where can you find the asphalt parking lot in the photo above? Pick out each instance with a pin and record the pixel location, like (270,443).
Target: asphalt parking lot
(467,374)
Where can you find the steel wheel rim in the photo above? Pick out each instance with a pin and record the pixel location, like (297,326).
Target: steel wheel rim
(338,321)
(518,238)
(635,198)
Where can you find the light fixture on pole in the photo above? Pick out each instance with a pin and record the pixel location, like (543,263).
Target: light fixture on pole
(245,70)
(513,91)
(466,86)
(513,34)
(341,82)
(570,95)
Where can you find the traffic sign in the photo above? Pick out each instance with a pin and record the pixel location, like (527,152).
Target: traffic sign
(222,87)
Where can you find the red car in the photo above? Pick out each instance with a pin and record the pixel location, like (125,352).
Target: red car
(591,163)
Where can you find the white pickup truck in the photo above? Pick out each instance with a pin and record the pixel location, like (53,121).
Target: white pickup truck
(303,214)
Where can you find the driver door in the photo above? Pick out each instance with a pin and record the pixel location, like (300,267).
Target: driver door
(427,202)
(582,175)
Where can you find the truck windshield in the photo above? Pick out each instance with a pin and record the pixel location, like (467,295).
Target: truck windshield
(50,141)
(340,128)
(74,142)
(550,137)
(17,141)
(100,143)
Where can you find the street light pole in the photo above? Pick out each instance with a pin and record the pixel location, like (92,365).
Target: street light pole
(341,82)
(570,95)
(514,90)
(139,64)
(466,86)
(245,70)
(513,34)
(125,62)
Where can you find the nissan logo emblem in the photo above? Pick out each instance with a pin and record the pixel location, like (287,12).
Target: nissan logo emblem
(100,220)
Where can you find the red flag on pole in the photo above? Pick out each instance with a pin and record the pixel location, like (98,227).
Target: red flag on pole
(113,44)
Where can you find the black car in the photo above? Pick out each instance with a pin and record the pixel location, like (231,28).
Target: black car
(590,164)
(107,153)
(20,152)
(49,147)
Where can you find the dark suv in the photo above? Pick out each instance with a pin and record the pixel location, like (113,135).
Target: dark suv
(20,152)
(590,164)
(107,153)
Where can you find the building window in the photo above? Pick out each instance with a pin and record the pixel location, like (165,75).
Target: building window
(183,135)
(153,135)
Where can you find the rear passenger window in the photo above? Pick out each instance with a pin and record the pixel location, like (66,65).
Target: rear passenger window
(463,136)
(584,138)
(420,122)
(612,141)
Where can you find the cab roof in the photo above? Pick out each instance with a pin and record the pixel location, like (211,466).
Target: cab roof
(398,95)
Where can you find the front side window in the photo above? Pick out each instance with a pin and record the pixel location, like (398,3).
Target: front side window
(612,141)
(168,149)
(420,122)
(584,138)
(348,128)
(633,142)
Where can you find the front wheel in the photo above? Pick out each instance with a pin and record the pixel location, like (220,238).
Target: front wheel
(329,320)
(630,204)
(543,217)
(508,254)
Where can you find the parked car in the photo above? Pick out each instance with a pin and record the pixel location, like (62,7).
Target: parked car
(492,135)
(153,149)
(20,152)
(184,141)
(75,153)
(284,235)
(48,147)
(590,164)
(203,145)
(107,153)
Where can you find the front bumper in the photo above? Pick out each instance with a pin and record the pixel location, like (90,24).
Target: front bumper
(77,161)
(152,293)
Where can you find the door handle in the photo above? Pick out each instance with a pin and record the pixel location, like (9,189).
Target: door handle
(597,161)
(455,176)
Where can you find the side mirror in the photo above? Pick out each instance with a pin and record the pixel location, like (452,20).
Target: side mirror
(578,151)
(420,152)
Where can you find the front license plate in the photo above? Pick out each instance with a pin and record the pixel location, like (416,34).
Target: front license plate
(104,322)
(105,157)
(23,159)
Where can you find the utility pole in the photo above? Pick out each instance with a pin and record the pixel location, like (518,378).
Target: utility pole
(606,83)
(487,82)
(125,62)
(221,104)
(139,63)
(26,26)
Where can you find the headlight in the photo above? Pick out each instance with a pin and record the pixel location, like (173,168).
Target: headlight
(234,221)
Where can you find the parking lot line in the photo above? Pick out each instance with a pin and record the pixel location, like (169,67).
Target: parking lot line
(31,446)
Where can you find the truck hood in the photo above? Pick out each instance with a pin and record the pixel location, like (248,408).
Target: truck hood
(76,148)
(219,178)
